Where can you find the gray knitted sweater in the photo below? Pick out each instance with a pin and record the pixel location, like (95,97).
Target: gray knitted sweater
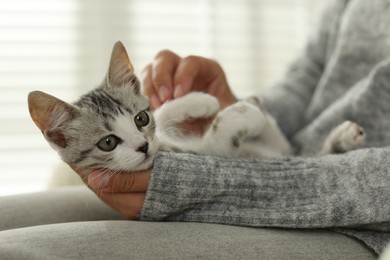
(343,74)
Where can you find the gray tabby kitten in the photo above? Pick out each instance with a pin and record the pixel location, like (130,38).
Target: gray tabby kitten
(112,127)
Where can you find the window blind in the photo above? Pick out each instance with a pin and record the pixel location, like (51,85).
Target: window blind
(63,47)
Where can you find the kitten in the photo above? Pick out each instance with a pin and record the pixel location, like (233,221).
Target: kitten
(112,126)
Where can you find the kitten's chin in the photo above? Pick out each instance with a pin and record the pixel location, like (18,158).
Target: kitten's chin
(145,164)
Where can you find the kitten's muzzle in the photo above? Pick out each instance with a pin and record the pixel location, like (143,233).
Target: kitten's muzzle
(143,148)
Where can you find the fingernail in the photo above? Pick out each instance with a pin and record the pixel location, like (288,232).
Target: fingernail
(154,101)
(164,93)
(178,91)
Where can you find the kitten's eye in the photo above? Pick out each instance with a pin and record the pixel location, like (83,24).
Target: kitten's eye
(142,119)
(108,143)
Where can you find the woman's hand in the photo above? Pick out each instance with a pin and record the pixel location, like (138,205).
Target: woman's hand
(169,76)
(124,192)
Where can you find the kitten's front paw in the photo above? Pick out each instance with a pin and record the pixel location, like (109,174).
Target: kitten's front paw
(198,105)
(348,136)
(256,102)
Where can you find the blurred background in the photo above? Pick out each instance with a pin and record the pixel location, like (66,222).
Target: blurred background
(62,47)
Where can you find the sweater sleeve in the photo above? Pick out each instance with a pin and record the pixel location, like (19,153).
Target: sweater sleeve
(366,103)
(288,100)
(332,191)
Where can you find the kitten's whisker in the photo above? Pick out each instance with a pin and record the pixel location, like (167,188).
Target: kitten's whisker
(115,179)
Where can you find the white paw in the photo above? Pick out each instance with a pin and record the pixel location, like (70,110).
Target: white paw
(244,118)
(196,105)
(347,136)
(191,106)
(256,102)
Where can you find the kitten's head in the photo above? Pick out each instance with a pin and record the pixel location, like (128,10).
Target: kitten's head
(110,127)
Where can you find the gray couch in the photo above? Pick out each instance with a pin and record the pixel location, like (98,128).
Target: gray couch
(71,223)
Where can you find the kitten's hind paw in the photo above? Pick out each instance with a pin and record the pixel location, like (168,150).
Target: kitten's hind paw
(347,136)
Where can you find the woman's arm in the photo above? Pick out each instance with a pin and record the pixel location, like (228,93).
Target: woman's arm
(331,191)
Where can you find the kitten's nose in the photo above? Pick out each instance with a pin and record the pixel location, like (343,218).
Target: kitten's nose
(143,148)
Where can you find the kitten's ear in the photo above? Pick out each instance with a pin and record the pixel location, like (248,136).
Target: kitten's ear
(120,70)
(51,115)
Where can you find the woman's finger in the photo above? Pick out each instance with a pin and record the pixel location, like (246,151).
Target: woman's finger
(195,73)
(163,70)
(102,181)
(148,88)
(128,205)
